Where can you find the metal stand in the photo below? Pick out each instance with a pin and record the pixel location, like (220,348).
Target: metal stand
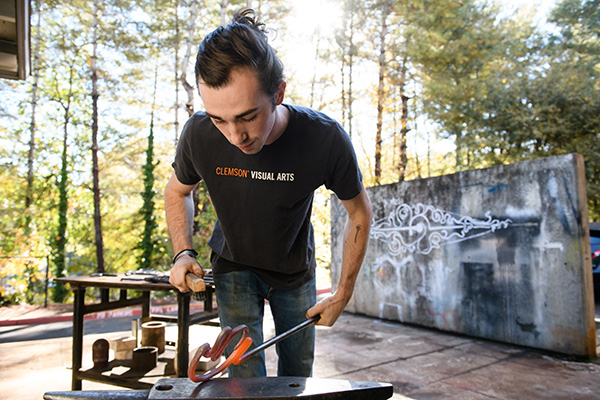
(183,320)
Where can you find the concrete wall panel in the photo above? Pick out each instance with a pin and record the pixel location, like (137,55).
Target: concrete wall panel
(499,253)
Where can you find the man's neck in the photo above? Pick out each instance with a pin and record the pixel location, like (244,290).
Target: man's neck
(282,118)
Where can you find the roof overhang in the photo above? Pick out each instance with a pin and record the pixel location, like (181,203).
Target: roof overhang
(15,60)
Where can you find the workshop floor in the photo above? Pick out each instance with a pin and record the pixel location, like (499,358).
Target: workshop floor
(420,363)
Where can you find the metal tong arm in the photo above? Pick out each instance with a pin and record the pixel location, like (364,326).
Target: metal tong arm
(238,356)
(279,338)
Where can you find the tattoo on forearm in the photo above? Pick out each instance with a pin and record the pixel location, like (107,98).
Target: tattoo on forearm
(356,235)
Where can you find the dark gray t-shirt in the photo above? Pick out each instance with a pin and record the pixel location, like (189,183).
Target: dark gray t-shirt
(264,201)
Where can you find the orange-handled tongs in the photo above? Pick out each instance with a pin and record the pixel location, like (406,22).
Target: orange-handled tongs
(239,354)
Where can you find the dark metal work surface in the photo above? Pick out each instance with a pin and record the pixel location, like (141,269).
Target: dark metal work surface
(269,388)
(119,281)
(98,395)
(272,388)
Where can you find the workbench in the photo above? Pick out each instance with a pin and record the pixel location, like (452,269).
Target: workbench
(142,289)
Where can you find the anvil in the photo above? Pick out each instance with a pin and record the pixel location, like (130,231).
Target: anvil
(241,388)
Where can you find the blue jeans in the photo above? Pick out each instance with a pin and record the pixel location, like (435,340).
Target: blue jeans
(241,298)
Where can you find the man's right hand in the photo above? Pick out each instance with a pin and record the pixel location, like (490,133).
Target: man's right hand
(182,266)
(179,208)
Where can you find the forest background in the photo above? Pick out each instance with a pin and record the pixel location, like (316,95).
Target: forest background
(423,87)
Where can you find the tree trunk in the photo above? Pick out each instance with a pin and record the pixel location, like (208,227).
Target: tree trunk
(32,126)
(95,169)
(59,256)
(380,92)
(316,60)
(190,46)
(189,88)
(459,148)
(345,40)
(402,164)
(61,232)
(224,4)
(343,84)
(176,122)
(350,66)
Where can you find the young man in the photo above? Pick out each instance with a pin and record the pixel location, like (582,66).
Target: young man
(261,161)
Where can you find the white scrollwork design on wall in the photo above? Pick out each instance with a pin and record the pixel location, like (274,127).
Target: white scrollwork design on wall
(420,228)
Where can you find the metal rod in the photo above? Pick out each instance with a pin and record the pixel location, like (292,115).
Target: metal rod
(279,338)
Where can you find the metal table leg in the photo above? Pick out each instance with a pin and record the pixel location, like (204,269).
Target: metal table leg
(78,313)
(183,338)
(146,306)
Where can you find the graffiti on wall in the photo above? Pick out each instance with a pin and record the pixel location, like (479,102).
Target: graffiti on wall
(420,228)
(497,253)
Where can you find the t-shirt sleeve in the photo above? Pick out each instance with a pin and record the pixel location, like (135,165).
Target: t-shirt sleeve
(184,165)
(343,173)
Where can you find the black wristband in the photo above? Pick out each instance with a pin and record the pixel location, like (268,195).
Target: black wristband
(190,252)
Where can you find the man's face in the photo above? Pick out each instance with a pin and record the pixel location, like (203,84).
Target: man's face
(243,113)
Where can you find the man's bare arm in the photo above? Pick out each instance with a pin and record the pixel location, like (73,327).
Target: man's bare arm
(179,208)
(356,239)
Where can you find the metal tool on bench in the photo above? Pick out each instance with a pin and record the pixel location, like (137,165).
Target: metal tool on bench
(238,356)
(275,388)
(196,284)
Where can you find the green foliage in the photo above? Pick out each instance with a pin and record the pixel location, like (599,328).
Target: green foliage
(579,22)
(60,291)
(507,93)
(204,222)
(148,241)
(456,43)
(549,102)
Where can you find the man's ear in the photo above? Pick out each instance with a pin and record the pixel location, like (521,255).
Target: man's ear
(280,94)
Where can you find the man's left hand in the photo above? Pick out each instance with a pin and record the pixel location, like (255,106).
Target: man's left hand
(330,309)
